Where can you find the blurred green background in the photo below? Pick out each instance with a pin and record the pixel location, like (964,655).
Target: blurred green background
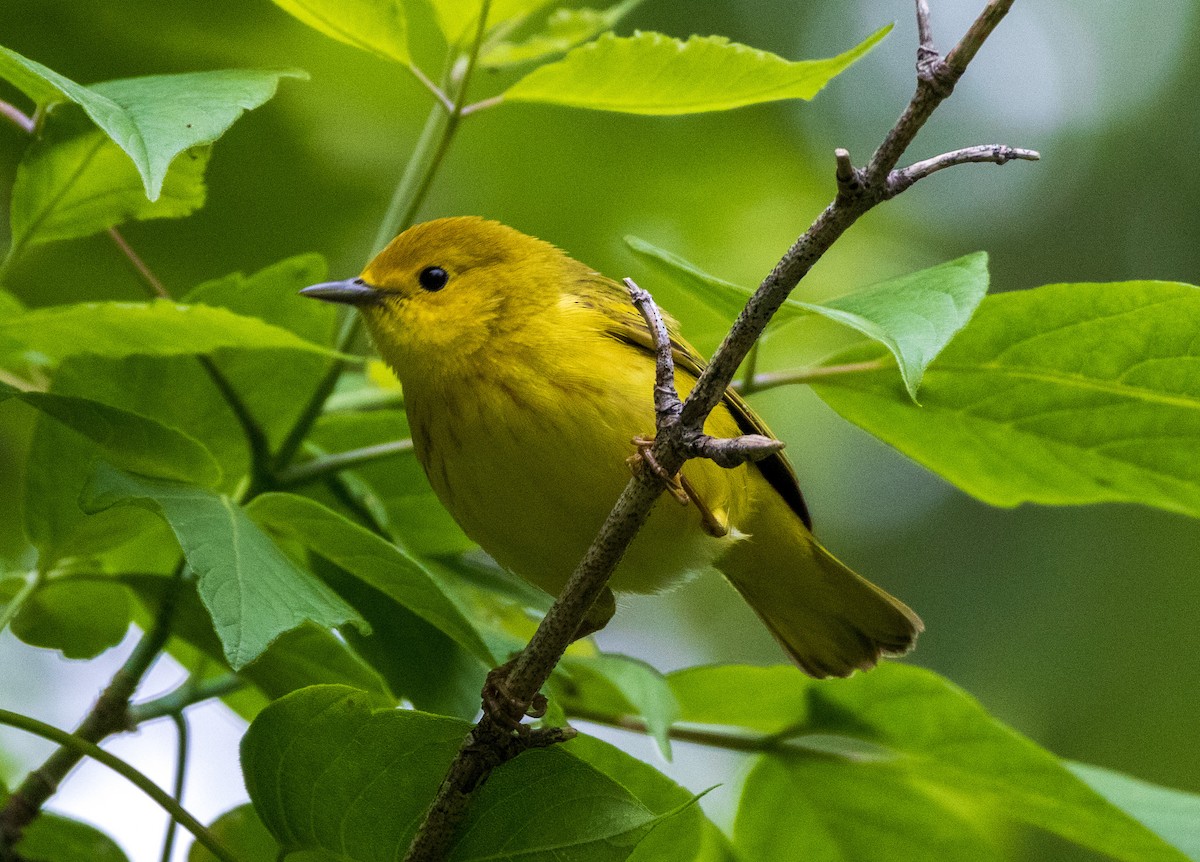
(1077,626)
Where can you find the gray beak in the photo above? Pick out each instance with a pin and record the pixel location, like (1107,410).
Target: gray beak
(353,291)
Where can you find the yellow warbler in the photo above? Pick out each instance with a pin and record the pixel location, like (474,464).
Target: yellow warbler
(527,375)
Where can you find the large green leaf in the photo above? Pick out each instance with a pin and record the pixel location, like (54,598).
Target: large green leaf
(564,29)
(326,772)
(914,316)
(252,590)
(61,839)
(173,391)
(459,19)
(155,328)
(275,389)
(382,565)
(126,439)
(1064,394)
(80,618)
(939,757)
(650,73)
(155,118)
(75,181)
(270,295)
(239,830)
(615,685)
(378,27)
(1170,813)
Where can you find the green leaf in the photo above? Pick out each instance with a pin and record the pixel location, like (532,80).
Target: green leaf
(650,73)
(914,316)
(458,19)
(640,691)
(724,297)
(61,839)
(1172,814)
(867,813)
(155,328)
(154,118)
(127,440)
(306,655)
(253,592)
(382,565)
(243,834)
(564,29)
(688,836)
(1064,394)
(79,618)
(270,296)
(378,27)
(74,181)
(326,772)
(174,391)
(274,389)
(928,744)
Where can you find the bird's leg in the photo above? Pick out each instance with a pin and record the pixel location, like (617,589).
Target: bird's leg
(643,457)
(499,703)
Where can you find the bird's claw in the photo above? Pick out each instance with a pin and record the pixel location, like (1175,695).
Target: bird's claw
(503,706)
(644,458)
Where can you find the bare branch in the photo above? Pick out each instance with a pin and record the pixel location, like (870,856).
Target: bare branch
(998,154)
(734,451)
(666,398)
(926,52)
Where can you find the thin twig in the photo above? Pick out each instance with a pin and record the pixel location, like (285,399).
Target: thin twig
(17,117)
(109,715)
(858,192)
(438,92)
(317,468)
(998,154)
(180,698)
(81,747)
(666,399)
(181,759)
(770,380)
(147,274)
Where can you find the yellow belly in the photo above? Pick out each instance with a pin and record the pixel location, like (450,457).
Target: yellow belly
(530,469)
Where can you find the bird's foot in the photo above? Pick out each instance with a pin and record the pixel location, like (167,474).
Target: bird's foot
(505,707)
(643,458)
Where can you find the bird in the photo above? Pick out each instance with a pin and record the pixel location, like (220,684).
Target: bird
(528,384)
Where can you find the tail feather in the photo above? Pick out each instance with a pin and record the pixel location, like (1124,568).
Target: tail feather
(830,620)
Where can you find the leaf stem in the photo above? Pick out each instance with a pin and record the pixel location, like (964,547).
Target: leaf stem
(712,738)
(17,117)
(770,380)
(300,474)
(81,748)
(179,699)
(33,580)
(181,758)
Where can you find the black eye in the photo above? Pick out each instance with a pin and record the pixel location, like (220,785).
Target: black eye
(433,278)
